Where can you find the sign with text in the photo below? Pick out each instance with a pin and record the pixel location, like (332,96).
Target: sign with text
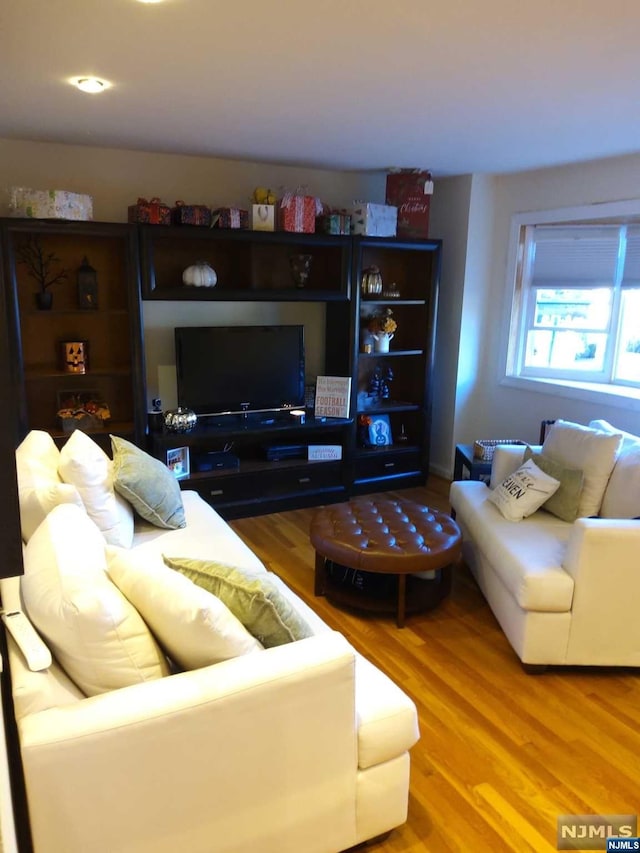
(332,396)
(590,832)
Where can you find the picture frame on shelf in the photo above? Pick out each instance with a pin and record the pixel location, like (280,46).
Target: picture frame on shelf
(178,462)
(380,431)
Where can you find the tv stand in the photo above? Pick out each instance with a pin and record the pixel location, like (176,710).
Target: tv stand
(257,483)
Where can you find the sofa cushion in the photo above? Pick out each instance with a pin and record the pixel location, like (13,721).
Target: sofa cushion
(194,627)
(40,488)
(565,501)
(591,451)
(527,557)
(147,484)
(251,596)
(622,495)
(523,492)
(628,438)
(94,632)
(85,465)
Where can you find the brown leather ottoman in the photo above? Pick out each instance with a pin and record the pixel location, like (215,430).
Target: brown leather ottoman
(397,537)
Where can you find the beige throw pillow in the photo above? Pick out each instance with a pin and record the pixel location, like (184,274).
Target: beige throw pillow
(194,627)
(591,451)
(85,465)
(97,636)
(40,488)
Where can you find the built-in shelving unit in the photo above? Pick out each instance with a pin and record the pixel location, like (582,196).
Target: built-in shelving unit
(147,262)
(112,328)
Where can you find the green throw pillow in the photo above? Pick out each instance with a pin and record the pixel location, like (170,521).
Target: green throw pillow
(565,502)
(147,484)
(252,597)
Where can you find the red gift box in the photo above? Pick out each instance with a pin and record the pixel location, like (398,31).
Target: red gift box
(152,212)
(230,217)
(191,214)
(298,213)
(410,191)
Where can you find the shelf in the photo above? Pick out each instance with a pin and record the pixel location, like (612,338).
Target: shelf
(39,373)
(391,353)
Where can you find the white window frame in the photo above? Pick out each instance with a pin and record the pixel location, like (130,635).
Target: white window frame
(588,387)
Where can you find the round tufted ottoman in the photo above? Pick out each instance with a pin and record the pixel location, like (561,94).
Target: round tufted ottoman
(397,537)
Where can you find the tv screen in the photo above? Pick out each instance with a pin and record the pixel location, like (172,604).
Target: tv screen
(229,369)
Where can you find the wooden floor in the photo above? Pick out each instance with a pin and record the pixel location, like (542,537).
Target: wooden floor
(502,753)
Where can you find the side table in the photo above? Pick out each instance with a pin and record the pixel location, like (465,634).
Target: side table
(477,468)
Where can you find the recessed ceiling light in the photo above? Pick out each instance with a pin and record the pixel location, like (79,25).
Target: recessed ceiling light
(92,85)
(150,1)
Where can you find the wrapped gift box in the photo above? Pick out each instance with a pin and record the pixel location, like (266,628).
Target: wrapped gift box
(298,213)
(374,220)
(50,204)
(191,214)
(152,212)
(410,190)
(334,223)
(263,217)
(229,217)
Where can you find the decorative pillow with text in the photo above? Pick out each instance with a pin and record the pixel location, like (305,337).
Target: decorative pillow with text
(523,492)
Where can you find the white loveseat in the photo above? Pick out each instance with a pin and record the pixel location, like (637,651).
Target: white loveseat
(564,592)
(303,746)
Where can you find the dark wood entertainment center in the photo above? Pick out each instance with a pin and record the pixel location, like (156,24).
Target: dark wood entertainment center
(146,262)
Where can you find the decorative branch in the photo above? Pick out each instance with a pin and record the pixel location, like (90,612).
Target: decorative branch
(39,262)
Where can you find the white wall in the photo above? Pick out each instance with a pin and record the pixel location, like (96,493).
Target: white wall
(489,409)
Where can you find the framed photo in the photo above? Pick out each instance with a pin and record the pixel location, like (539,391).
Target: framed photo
(380,431)
(178,462)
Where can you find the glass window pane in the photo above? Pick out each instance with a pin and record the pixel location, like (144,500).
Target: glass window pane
(628,356)
(566,350)
(589,308)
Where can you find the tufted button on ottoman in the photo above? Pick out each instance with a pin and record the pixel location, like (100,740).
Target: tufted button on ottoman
(396,537)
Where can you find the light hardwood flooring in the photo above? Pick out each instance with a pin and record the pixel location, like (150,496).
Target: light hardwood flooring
(501,753)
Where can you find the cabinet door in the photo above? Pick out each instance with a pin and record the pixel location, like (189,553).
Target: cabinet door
(393,360)
(79,360)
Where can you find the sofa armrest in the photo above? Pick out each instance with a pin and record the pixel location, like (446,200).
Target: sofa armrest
(506,458)
(602,559)
(217,752)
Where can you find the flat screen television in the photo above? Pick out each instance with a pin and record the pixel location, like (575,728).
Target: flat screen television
(235,369)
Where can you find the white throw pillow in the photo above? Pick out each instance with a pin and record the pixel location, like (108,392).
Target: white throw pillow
(40,488)
(520,494)
(194,627)
(622,495)
(85,465)
(96,635)
(591,451)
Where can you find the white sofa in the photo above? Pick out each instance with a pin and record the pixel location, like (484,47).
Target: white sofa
(564,592)
(303,746)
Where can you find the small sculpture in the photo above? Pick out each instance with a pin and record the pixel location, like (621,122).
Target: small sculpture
(180,420)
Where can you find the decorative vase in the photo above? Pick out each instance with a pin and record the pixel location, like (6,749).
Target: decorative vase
(200,274)
(300,268)
(382,340)
(371,283)
(180,420)
(44,300)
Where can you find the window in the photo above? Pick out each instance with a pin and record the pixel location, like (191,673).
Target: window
(576,311)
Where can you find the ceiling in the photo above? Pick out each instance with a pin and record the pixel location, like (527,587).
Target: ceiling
(455,86)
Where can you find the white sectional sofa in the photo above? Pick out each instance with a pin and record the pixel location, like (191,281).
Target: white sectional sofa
(564,591)
(301,746)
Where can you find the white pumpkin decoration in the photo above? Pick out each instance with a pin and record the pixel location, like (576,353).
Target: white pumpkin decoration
(200,274)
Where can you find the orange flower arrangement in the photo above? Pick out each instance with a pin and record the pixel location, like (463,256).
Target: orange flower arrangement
(383,323)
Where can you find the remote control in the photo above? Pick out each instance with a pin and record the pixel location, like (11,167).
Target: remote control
(36,654)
